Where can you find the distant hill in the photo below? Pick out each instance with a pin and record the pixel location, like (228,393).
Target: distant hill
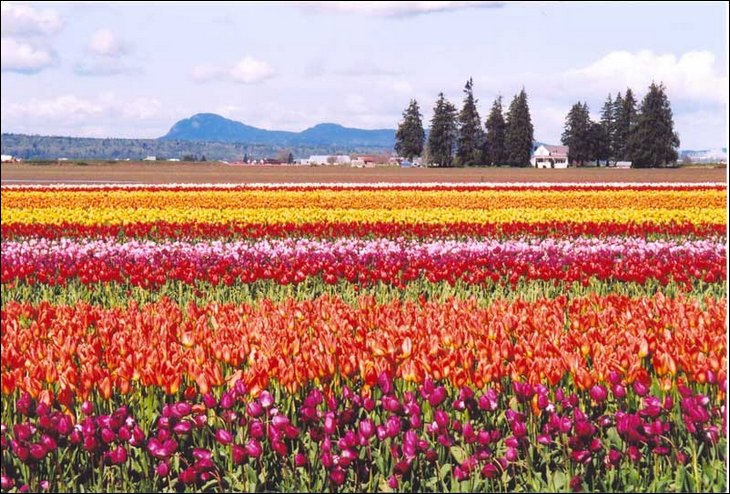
(214,128)
(705,155)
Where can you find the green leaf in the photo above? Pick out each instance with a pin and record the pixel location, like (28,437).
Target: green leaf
(459,454)
(444,471)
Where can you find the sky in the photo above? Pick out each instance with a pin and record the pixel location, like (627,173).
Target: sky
(105,69)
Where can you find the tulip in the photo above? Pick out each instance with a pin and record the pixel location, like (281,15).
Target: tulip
(330,423)
(300,460)
(255,409)
(239,455)
(511,454)
(576,483)
(338,476)
(188,476)
(393,482)
(490,471)
(614,457)
(227,401)
(598,393)
(366,429)
(385,383)
(391,404)
(25,405)
(437,397)
(107,435)
(253,448)
(87,408)
(224,437)
(118,455)
(6,482)
(163,469)
(209,401)
(266,399)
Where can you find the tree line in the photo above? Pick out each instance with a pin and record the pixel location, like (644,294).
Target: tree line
(644,136)
(456,138)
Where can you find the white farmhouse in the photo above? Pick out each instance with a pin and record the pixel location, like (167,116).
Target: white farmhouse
(547,156)
(6,158)
(323,159)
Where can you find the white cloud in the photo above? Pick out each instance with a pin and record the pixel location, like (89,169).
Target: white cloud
(694,76)
(27,20)
(394,9)
(24,56)
(247,71)
(205,72)
(105,43)
(77,111)
(250,71)
(104,67)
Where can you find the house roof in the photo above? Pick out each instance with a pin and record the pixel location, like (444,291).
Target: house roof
(557,150)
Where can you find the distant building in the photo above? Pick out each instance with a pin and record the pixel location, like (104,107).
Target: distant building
(6,158)
(326,159)
(547,156)
(623,164)
(174,159)
(62,159)
(150,158)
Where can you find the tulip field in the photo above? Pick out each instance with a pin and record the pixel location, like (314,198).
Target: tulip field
(364,337)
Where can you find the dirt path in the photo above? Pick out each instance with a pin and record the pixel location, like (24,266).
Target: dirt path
(221,173)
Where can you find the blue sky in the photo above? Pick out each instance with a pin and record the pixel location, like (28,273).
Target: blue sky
(116,70)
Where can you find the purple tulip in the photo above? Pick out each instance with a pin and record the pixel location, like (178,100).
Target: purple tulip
(188,476)
(442,419)
(619,391)
(640,388)
(209,401)
(37,451)
(368,404)
(87,408)
(393,426)
(107,435)
(223,437)
(614,458)
(366,429)
(544,439)
(576,483)
(300,460)
(253,448)
(181,428)
(118,455)
(393,482)
(599,393)
(581,456)
(437,397)
(25,405)
(391,404)
(266,399)
(338,476)
(48,443)
(255,409)
(239,455)
(385,383)
(6,482)
(227,401)
(402,467)
(490,471)
(280,448)
(519,429)
(23,432)
(511,454)
(163,469)
(280,421)
(330,424)
(634,454)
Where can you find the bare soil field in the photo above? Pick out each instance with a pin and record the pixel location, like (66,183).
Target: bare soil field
(155,173)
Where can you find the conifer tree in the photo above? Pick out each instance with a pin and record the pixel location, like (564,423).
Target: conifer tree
(410,135)
(494,146)
(519,138)
(442,137)
(470,143)
(653,141)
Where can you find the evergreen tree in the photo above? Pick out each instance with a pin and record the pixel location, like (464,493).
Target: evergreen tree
(410,136)
(625,119)
(577,134)
(471,136)
(494,153)
(600,142)
(653,141)
(442,137)
(518,139)
(608,128)
(290,158)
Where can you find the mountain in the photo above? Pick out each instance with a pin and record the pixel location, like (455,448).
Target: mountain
(705,155)
(214,128)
